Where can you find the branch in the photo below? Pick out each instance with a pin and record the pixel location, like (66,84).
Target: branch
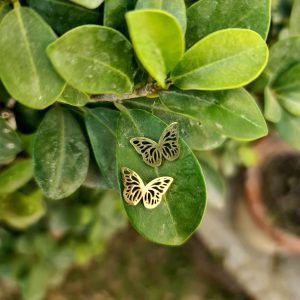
(149,89)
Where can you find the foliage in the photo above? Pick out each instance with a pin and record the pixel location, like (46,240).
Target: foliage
(80,78)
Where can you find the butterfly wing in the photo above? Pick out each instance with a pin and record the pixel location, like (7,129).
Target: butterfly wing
(168,142)
(148,149)
(134,188)
(155,190)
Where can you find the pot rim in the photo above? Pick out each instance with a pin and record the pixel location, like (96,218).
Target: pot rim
(253,196)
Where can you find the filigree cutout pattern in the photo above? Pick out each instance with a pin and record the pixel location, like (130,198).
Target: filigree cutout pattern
(135,190)
(167,147)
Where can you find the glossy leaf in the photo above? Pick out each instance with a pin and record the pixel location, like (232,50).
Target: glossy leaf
(114,13)
(206,16)
(15,176)
(10,143)
(25,68)
(294,19)
(197,135)
(91,4)
(289,129)
(174,7)
(63,15)
(182,207)
(73,97)
(101,125)
(273,111)
(233,113)
(157,40)
(60,154)
(102,64)
(286,87)
(225,59)
(21,210)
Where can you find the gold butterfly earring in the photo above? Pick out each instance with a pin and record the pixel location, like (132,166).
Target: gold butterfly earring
(167,147)
(135,190)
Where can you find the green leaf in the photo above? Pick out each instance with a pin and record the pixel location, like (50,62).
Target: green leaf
(74,97)
(273,111)
(233,113)
(196,134)
(60,154)
(174,7)
(294,19)
(286,87)
(62,15)
(283,54)
(114,13)
(10,143)
(25,70)
(101,125)
(182,207)
(20,210)
(91,4)
(15,176)
(102,64)
(4,9)
(157,40)
(206,16)
(289,129)
(225,59)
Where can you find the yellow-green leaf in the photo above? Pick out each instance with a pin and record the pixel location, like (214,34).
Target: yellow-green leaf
(94,59)
(157,40)
(88,3)
(225,59)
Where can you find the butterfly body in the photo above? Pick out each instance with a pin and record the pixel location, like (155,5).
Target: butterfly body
(135,190)
(153,152)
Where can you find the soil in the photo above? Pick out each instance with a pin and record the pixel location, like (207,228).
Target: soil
(134,268)
(280,187)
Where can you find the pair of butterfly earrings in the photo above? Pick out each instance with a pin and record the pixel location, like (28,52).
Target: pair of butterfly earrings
(152,153)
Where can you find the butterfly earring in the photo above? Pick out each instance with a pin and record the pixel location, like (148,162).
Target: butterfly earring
(167,147)
(135,190)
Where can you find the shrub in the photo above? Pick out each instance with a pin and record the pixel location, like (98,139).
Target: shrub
(81,78)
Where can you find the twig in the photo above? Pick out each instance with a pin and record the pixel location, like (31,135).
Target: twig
(148,90)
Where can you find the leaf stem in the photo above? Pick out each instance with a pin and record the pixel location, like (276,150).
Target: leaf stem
(149,90)
(120,107)
(15,3)
(126,111)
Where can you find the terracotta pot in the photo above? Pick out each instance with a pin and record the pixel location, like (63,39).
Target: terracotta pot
(252,217)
